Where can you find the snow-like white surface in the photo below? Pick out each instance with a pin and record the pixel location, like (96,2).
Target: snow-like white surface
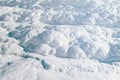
(59,40)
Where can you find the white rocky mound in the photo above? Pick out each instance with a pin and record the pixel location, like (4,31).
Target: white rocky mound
(59,40)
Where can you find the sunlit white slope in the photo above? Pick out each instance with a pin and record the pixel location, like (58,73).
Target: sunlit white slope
(59,40)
